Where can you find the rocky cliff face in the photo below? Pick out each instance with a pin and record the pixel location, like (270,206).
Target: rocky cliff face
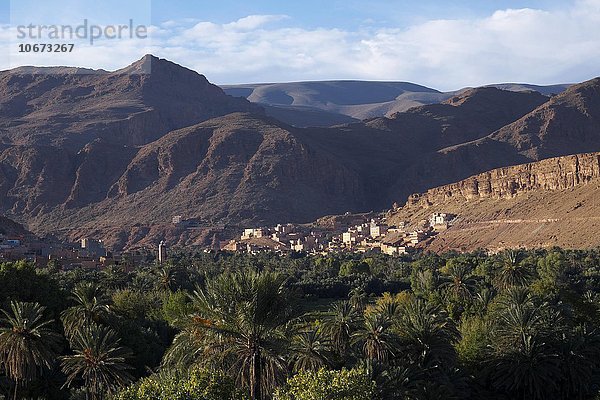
(503,183)
(568,123)
(553,202)
(105,153)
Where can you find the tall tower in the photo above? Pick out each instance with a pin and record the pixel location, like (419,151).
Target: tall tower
(162,252)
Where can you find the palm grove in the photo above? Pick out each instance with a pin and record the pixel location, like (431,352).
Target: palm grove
(513,325)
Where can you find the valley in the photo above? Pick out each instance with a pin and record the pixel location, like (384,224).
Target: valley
(157,144)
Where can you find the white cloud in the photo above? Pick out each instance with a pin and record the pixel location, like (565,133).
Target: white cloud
(254,21)
(525,45)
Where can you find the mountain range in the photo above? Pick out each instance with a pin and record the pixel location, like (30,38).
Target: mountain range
(328,103)
(117,154)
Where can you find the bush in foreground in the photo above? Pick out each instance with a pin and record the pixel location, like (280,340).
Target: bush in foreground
(199,384)
(354,384)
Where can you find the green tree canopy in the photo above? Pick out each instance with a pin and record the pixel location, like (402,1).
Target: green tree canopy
(354,384)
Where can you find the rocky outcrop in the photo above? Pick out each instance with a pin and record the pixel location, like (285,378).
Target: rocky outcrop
(550,174)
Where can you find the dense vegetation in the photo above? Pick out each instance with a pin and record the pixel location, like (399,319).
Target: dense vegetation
(513,325)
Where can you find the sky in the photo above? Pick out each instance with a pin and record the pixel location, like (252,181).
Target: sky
(446,45)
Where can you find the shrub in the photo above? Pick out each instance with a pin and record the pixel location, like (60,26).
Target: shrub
(199,384)
(354,384)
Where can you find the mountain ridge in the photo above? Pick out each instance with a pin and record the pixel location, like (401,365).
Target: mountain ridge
(339,97)
(107,154)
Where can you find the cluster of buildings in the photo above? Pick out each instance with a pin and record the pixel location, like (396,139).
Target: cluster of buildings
(281,238)
(87,253)
(352,233)
(12,247)
(91,253)
(372,234)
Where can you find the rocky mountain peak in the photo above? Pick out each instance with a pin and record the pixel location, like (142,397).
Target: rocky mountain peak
(159,68)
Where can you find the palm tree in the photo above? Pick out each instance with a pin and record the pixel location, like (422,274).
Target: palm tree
(239,321)
(27,344)
(482,301)
(167,277)
(517,323)
(529,371)
(358,298)
(310,350)
(340,323)
(98,359)
(579,352)
(458,284)
(513,272)
(427,333)
(396,382)
(524,362)
(114,277)
(143,282)
(520,318)
(516,296)
(91,306)
(375,338)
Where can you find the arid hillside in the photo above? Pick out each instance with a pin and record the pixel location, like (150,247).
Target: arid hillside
(9,227)
(117,154)
(70,107)
(568,123)
(554,202)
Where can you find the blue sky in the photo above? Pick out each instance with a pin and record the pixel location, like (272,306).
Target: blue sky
(349,14)
(442,44)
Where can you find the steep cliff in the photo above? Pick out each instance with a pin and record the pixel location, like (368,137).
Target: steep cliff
(553,202)
(504,183)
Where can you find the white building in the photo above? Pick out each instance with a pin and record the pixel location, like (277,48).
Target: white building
(440,218)
(162,252)
(378,230)
(254,233)
(393,249)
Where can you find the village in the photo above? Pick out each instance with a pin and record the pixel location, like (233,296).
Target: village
(88,253)
(359,234)
(354,233)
